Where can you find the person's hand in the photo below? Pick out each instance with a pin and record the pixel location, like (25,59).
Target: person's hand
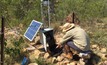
(59,46)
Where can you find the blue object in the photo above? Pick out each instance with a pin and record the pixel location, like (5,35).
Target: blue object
(25,61)
(32,30)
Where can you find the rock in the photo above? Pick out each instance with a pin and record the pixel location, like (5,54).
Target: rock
(59,63)
(60,58)
(54,60)
(68,64)
(46,55)
(37,52)
(103,50)
(78,63)
(34,55)
(81,61)
(51,60)
(24,50)
(10,33)
(94,46)
(32,43)
(30,48)
(42,54)
(65,61)
(73,63)
(39,46)
(37,40)
(33,64)
(102,55)
(105,62)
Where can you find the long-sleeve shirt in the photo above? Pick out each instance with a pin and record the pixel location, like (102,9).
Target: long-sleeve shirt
(79,38)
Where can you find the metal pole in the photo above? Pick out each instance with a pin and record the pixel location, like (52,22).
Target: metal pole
(42,12)
(73,16)
(2,41)
(49,13)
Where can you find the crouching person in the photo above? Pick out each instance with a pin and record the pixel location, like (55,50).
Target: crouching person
(75,39)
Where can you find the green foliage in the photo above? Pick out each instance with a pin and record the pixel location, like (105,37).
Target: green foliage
(42,61)
(23,11)
(85,9)
(99,37)
(97,32)
(16,49)
(20,10)
(14,52)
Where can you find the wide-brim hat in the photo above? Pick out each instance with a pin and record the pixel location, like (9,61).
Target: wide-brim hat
(67,26)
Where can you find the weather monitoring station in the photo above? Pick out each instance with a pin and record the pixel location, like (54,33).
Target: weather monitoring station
(46,33)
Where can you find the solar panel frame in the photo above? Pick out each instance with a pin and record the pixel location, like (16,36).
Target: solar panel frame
(33,29)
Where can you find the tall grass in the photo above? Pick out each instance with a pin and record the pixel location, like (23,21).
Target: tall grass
(97,31)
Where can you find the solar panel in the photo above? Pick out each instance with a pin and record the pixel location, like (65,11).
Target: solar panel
(32,30)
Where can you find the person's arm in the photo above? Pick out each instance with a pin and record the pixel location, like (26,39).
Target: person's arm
(66,37)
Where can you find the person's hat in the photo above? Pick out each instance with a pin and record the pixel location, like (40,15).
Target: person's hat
(67,26)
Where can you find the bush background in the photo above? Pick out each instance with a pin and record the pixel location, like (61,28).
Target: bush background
(23,11)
